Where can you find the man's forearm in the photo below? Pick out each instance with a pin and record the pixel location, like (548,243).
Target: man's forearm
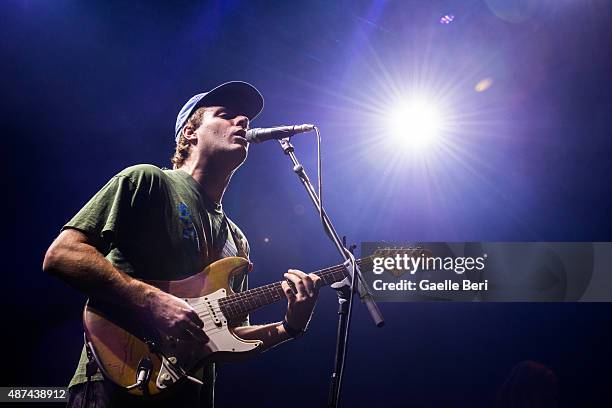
(81,265)
(271,334)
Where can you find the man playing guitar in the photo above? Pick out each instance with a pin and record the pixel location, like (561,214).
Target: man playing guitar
(149,224)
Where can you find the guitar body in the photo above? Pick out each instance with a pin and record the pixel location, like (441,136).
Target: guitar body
(125,349)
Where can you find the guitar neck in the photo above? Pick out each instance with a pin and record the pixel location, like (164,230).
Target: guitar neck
(238,305)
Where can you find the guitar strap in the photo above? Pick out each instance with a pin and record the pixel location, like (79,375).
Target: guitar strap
(90,369)
(238,241)
(217,243)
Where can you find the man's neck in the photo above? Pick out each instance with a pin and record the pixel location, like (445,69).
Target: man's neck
(212,181)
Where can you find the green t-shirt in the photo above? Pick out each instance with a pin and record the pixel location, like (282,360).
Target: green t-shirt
(158,224)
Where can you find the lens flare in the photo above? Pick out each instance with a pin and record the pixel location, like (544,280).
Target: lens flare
(414,125)
(447,19)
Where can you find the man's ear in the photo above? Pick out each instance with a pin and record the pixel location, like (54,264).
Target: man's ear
(189,134)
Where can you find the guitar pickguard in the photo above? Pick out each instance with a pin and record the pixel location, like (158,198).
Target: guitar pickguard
(182,357)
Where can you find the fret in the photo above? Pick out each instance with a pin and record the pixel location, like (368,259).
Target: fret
(240,304)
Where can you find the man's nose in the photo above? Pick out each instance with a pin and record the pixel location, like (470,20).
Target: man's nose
(242,121)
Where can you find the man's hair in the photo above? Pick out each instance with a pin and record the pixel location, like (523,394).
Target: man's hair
(183,147)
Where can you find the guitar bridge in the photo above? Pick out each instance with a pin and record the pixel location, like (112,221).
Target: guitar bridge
(167,375)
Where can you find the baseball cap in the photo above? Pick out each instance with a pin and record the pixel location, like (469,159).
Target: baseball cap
(241,97)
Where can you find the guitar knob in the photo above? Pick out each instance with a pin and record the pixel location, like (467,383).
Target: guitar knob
(166,379)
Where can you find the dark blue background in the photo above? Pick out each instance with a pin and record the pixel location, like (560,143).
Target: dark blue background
(89,88)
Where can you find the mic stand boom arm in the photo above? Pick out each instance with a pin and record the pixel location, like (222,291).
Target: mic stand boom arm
(354,275)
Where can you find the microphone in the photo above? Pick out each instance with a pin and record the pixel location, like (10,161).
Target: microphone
(258,135)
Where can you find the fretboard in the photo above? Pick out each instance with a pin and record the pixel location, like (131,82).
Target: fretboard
(238,305)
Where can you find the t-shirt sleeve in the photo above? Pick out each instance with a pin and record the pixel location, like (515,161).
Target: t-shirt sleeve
(106,214)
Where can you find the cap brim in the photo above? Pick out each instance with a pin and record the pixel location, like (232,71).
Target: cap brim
(240,97)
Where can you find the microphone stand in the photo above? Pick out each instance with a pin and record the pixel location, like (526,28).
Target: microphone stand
(345,288)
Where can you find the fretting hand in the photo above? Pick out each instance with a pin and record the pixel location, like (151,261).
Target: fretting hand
(300,303)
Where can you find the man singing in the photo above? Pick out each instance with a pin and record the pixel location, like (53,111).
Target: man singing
(152,224)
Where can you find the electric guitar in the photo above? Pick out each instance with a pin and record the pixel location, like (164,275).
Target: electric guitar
(146,363)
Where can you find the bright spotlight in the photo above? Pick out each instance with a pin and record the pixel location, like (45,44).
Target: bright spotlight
(415,125)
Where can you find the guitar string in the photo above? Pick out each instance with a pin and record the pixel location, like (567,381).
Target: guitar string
(239,304)
(275,292)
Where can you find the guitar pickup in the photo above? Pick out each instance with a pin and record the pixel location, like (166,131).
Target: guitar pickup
(214,311)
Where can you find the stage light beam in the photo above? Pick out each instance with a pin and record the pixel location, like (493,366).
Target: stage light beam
(415,125)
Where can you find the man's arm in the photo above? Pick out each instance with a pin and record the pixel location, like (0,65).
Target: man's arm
(74,258)
(300,305)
